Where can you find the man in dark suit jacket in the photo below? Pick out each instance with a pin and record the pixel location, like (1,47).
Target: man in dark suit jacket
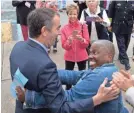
(32,59)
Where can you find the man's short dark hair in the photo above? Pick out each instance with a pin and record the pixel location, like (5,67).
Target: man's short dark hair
(38,18)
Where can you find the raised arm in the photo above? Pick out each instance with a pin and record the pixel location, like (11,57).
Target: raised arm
(65,40)
(51,89)
(70,77)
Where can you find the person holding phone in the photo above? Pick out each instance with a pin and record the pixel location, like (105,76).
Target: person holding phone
(97,20)
(75,40)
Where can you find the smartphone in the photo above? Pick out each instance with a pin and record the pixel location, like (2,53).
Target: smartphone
(75,32)
(89,19)
(93,18)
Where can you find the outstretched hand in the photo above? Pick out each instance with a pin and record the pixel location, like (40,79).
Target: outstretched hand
(105,94)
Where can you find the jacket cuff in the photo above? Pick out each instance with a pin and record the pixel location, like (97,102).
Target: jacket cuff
(130,96)
(28,100)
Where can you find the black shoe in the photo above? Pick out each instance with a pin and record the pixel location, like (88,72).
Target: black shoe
(127,66)
(54,50)
(48,50)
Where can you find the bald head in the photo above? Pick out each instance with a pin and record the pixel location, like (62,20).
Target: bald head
(107,45)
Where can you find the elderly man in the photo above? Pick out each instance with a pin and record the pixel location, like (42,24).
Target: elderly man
(32,59)
(86,83)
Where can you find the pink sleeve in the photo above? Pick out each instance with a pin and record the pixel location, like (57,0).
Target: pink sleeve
(85,35)
(64,40)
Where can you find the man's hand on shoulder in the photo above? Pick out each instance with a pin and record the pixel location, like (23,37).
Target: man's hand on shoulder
(105,94)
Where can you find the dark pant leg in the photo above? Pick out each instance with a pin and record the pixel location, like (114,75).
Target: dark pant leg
(110,36)
(82,65)
(121,42)
(110,33)
(19,107)
(120,38)
(104,34)
(127,40)
(69,66)
(55,44)
(24,30)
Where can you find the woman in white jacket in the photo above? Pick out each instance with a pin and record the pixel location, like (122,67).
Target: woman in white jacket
(97,20)
(125,81)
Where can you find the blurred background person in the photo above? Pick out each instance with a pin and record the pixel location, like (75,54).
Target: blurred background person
(105,4)
(122,15)
(61,5)
(82,5)
(75,40)
(97,20)
(23,8)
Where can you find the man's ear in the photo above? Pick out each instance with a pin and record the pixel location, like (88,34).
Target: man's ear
(44,31)
(111,57)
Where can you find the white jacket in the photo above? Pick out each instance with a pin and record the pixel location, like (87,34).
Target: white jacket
(130,96)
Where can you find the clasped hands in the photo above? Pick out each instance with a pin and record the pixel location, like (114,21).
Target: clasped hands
(123,80)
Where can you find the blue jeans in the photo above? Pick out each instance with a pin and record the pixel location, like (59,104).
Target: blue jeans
(55,44)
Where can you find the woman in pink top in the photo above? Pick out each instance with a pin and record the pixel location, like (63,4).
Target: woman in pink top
(75,40)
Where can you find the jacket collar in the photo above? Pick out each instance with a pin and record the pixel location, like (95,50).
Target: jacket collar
(35,45)
(74,24)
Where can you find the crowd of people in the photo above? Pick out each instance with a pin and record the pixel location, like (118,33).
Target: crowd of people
(88,36)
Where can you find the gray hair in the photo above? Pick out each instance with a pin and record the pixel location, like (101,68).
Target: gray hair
(107,45)
(38,18)
(87,2)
